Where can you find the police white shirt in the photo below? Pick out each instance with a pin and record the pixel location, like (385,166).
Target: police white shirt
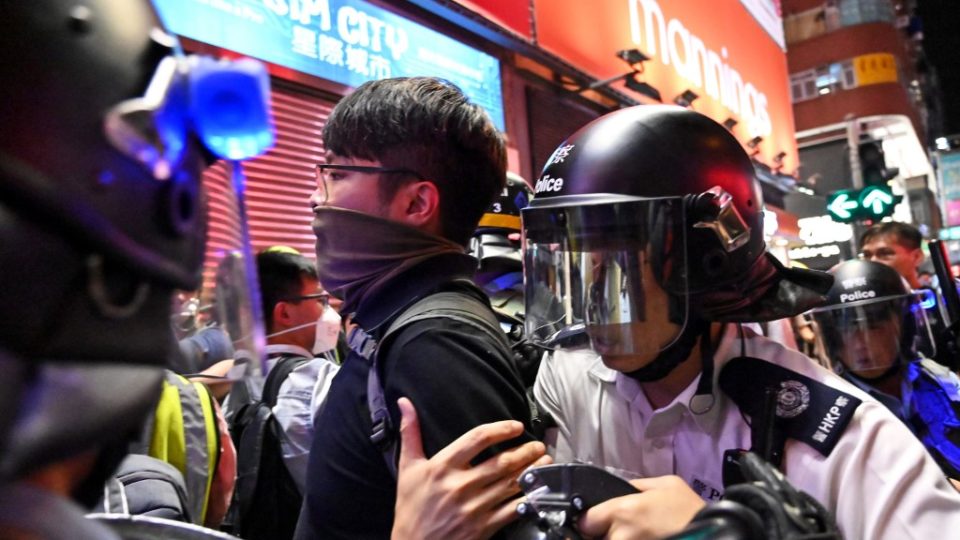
(878,480)
(300,401)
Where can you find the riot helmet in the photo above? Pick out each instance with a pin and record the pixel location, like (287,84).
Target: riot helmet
(107,129)
(496,241)
(646,225)
(873,324)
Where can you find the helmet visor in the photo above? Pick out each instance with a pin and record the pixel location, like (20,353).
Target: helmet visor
(869,338)
(604,270)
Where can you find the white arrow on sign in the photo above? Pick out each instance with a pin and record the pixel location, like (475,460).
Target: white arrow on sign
(876,200)
(842,205)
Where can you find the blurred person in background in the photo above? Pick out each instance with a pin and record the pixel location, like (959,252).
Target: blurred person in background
(302,330)
(896,245)
(871,333)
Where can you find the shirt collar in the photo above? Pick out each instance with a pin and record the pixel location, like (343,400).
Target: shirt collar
(629,389)
(278,349)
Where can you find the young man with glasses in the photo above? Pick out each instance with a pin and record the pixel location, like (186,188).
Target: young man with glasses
(301,329)
(411,166)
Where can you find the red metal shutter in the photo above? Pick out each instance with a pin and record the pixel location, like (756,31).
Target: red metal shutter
(551,119)
(279,184)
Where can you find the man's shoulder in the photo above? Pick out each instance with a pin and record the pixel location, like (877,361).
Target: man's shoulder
(771,351)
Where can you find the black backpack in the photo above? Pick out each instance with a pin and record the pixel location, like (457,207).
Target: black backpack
(266,501)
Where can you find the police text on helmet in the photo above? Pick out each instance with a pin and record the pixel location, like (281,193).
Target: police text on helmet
(549,184)
(857,295)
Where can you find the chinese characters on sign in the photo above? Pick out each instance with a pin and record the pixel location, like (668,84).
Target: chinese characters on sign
(346,41)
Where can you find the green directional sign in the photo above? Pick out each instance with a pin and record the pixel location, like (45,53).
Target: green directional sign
(877,201)
(871,202)
(842,205)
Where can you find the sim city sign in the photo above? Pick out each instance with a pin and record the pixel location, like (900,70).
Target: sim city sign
(346,41)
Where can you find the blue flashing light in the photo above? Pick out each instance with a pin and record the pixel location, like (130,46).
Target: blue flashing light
(230,106)
(928,298)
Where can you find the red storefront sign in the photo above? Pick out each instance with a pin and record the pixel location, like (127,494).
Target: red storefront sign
(715,49)
(513,15)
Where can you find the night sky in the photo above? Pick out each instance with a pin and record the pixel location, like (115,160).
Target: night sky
(941,38)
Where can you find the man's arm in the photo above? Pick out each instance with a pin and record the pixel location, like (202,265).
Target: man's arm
(458,378)
(879,480)
(444,497)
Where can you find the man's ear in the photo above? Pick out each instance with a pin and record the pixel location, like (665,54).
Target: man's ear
(917,257)
(281,315)
(419,205)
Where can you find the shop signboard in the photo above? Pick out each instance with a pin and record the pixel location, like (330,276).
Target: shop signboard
(346,41)
(948,172)
(717,50)
(826,242)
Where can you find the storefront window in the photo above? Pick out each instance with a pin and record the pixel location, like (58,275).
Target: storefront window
(823,80)
(865,11)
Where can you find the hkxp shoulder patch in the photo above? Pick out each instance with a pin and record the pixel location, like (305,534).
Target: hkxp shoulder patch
(807,410)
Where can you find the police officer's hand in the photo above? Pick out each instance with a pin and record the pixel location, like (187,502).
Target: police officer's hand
(665,505)
(444,497)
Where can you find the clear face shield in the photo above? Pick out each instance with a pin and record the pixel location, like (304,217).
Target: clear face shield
(869,338)
(225,106)
(614,271)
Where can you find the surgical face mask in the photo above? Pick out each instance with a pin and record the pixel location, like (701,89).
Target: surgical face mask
(328,330)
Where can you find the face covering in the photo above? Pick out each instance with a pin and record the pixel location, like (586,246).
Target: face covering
(358,253)
(328,330)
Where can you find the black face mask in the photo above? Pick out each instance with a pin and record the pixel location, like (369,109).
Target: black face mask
(357,253)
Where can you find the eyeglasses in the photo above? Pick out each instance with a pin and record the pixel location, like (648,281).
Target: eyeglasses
(322,297)
(327,173)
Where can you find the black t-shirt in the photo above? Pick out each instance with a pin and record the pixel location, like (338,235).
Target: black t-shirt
(457,378)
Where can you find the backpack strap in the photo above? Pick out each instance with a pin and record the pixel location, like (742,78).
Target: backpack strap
(458,306)
(281,370)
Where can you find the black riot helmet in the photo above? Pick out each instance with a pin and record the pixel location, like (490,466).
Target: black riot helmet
(873,324)
(101,215)
(646,207)
(496,241)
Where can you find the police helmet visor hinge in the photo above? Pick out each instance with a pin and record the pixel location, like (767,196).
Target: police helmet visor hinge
(716,212)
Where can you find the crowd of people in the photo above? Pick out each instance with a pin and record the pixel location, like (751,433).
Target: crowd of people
(457,330)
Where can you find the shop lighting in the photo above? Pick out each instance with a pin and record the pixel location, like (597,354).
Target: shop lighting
(632,56)
(641,87)
(686,99)
(631,78)
(729,123)
(754,142)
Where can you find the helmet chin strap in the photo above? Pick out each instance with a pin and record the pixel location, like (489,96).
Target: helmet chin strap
(890,372)
(671,357)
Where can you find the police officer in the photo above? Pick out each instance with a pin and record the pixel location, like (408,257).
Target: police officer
(101,221)
(496,245)
(871,334)
(646,235)
(870,328)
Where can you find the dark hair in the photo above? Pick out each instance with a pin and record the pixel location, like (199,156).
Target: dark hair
(281,275)
(429,126)
(906,235)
